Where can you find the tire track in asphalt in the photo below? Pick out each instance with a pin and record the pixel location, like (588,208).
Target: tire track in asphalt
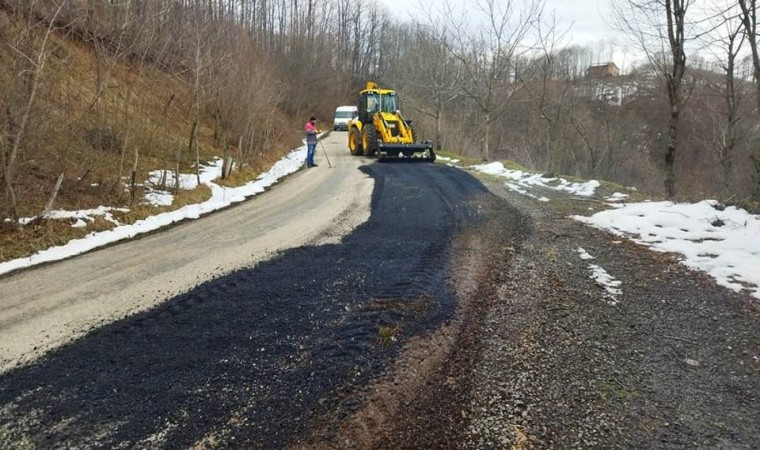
(252,357)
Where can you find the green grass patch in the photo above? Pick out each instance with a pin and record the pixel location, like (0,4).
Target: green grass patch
(608,188)
(463,160)
(387,334)
(511,165)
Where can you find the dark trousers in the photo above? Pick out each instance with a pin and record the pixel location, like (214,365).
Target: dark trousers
(310,153)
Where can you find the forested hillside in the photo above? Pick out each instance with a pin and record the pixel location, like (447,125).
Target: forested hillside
(95,93)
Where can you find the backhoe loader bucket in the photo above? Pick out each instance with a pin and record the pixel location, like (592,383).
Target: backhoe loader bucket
(419,152)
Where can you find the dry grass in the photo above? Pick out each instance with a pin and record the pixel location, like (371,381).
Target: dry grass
(146,110)
(521,438)
(25,241)
(511,165)
(239,177)
(751,206)
(20,242)
(182,198)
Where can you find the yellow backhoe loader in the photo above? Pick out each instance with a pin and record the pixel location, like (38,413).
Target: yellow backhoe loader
(380,130)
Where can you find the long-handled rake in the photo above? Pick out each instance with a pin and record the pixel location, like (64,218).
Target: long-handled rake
(323,149)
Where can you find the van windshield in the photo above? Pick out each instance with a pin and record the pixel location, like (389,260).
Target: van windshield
(344,114)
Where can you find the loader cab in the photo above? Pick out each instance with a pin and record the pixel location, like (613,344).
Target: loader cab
(374,101)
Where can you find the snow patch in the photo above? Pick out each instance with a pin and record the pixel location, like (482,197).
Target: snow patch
(584,254)
(526,180)
(610,284)
(221,197)
(723,242)
(606,281)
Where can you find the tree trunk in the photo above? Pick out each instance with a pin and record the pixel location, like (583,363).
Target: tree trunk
(197,156)
(756,175)
(438,126)
(51,200)
(670,155)
(177,166)
(486,154)
(749,20)
(676,15)
(15,144)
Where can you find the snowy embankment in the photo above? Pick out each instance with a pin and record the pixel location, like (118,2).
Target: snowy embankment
(721,241)
(724,242)
(221,197)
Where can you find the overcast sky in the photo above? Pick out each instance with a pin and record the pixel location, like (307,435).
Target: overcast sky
(588,17)
(588,20)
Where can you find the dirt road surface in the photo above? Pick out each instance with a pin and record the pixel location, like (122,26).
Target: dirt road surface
(448,312)
(46,307)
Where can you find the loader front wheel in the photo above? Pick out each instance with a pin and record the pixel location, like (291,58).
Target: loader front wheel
(413,129)
(355,142)
(369,139)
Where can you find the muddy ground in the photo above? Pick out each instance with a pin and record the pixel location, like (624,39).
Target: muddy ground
(454,317)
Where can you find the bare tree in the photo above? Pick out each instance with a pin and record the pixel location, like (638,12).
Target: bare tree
(749,22)
(552,99)
(205,58)
(427,75)
(487,52)
(659,27)
(12,134)
(727,34)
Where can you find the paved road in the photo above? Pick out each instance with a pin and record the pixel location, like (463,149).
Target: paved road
(405,306)
(46,307)
(256,355)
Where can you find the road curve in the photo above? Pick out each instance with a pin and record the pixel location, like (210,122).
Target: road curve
(45,307)
(255,357)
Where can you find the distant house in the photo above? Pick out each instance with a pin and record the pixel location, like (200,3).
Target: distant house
(607,70)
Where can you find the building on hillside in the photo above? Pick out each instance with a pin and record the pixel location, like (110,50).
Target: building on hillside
(608,70)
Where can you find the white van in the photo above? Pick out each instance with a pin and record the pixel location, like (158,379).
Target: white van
(342,115)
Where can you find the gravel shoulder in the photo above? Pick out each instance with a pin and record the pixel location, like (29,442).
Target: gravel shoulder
(541,356)
(673,363)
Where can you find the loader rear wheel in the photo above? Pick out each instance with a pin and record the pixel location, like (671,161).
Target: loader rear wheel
(355,142)
(369,139)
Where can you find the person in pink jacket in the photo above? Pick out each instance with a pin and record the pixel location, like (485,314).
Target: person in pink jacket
(310,129)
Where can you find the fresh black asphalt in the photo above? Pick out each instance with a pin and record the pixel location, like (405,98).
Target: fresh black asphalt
(255,355)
